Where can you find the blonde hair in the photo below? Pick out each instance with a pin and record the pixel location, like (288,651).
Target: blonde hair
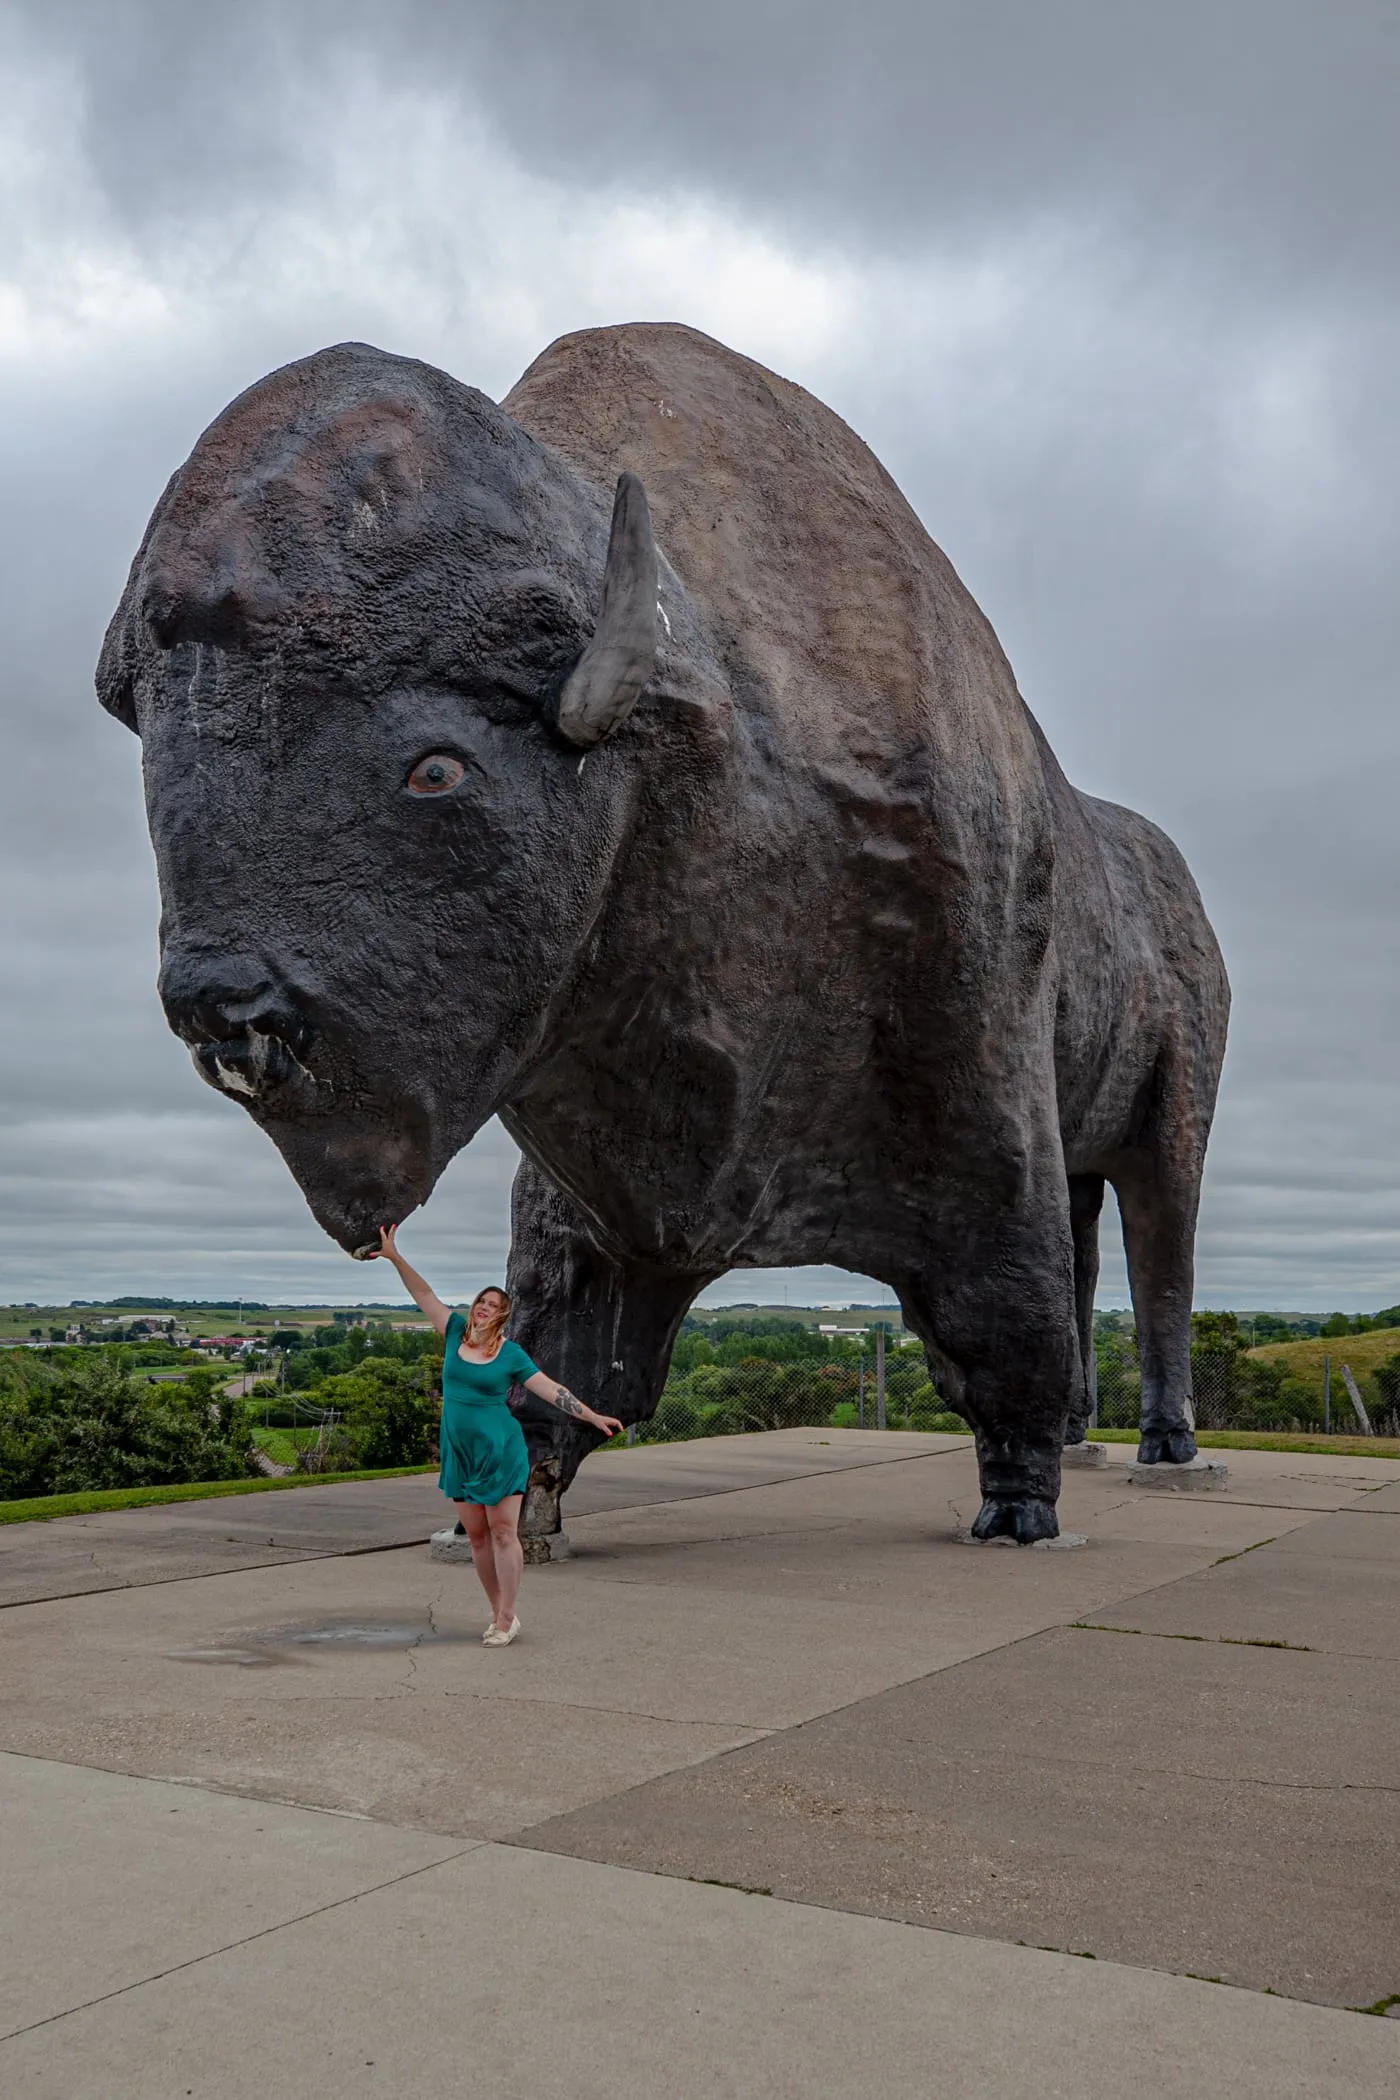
(493,1332)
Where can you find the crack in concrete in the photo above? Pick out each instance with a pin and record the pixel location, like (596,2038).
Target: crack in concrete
(246,1939)
(429,1633)
(1222,1640)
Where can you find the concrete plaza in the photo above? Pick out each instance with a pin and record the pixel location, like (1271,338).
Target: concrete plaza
(784,1791)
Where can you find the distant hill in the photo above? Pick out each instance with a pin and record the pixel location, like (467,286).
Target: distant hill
(799,1315)
(1362,1351)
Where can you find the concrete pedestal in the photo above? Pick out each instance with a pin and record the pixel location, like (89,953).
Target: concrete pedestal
(1196,1477)
(538,1552)
(1084,1455)
(1065,1543)
(450,1549)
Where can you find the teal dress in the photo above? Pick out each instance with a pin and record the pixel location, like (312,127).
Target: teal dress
(482,1446)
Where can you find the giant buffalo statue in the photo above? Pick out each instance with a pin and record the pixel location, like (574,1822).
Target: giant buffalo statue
(728,868)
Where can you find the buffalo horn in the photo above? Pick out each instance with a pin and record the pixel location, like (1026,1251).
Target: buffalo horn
(607,681)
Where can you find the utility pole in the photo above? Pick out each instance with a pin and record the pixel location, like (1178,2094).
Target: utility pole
(880,1378)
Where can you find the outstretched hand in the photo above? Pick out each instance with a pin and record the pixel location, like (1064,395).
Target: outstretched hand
(388,1246)
(609,1424)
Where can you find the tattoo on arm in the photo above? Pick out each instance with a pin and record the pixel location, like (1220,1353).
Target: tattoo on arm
(568,1403)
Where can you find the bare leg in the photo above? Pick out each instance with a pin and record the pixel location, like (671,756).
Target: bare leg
(605,1329)
(504,1520)
(1085,1203)
(478,1530)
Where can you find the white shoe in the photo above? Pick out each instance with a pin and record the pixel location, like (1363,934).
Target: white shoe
(494,1638)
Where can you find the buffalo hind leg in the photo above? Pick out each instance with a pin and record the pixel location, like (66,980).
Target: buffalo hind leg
(1085,1204)
(602,1328)
(997,1320)
(1158,1207)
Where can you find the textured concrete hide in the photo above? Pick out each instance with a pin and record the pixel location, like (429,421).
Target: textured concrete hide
(815,956)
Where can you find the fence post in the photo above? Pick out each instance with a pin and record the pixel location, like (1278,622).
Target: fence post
(1326,1395)
(1358,1404)
(861,1388)
(880,1378)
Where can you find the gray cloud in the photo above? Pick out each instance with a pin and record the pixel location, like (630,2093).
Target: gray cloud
(1261,129)
(1110,288)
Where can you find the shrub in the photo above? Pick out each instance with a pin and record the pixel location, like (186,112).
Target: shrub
(90,1424)
(390,1411)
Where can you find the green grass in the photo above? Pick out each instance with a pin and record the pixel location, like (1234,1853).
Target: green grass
(1270,1440)
(1253,1440)
(282,1445)
(1362,1351)
(16,1321)
(40,1508)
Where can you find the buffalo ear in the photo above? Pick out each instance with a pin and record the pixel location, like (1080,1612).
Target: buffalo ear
(608,679)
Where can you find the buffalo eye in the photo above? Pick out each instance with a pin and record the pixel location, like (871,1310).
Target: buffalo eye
(437,774)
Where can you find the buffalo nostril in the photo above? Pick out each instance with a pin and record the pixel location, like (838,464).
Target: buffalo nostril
(231,1001)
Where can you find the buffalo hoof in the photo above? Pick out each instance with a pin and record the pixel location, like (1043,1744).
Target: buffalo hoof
(1026,1520)
(1167,1447)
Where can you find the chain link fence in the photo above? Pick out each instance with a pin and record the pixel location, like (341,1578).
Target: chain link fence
(725,1399)
(735,1385)
(1236,1390)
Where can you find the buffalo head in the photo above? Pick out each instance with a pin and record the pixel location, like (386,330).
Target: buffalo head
(371,629)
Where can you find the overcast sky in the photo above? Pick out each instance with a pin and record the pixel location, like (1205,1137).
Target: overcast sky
(1111,288)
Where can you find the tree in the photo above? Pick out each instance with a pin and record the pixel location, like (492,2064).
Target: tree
(1386,1379)
(90,1424)
(390,1411)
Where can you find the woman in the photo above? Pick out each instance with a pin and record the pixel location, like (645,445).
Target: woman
(485,1465)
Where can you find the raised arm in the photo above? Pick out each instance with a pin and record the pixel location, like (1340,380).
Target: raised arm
(546,1388)
(418,1287)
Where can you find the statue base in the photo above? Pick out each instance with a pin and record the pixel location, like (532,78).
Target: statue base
(1084,1455)
(1197,1476)
(1065,1543)
(443,1546)
(538,1552)
(552,1546)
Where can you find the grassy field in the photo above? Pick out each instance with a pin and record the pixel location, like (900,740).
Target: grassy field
(41,1508)
(1362,1351)
(1271,1440)
(282,1445)
(17,1321)
(798,1315)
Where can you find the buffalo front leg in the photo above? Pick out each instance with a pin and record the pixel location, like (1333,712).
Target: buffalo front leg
(602,1327)
(1158,1207)
(997,1317)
